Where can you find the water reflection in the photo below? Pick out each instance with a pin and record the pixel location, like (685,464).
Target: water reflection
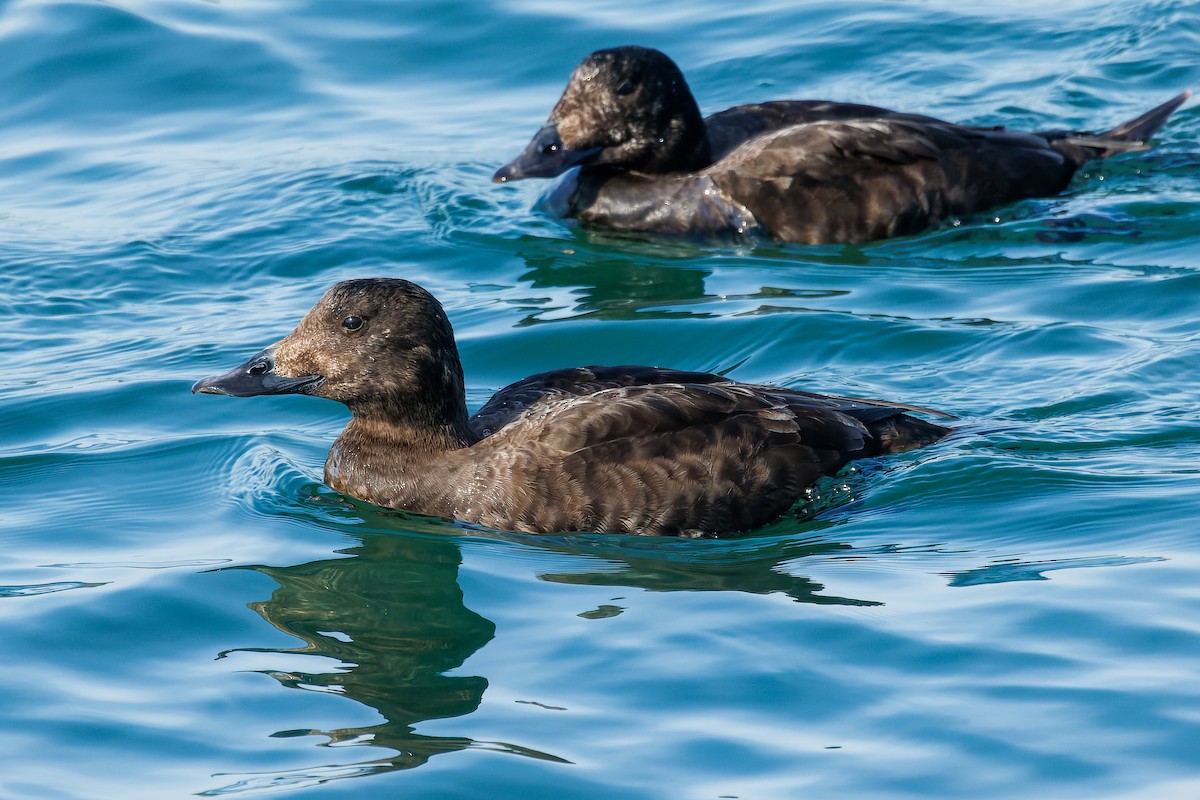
(1016,570)
(614,286)
(391,613)
(577,280)
(755,566)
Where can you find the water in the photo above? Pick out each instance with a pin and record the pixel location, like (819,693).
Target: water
(186,611)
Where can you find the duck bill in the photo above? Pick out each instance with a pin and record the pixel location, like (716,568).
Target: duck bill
(257,376)
(544,157)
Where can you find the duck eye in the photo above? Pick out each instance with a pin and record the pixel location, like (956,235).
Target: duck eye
(352,322)
(550,148)
(627,87)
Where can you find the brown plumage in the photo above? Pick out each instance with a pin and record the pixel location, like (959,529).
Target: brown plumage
(800,171)
(615,449)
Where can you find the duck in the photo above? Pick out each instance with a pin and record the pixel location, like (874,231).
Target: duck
(602,449)
(805,171)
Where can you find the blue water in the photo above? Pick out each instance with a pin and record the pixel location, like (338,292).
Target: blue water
(185,610)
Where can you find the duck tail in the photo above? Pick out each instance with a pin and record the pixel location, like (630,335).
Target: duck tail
(902,432)
(1132,135)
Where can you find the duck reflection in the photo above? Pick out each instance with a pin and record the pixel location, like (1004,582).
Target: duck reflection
(756,565)
(614,285)
(391,613)
(646,281)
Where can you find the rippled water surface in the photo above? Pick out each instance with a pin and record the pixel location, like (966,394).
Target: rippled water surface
(185,610)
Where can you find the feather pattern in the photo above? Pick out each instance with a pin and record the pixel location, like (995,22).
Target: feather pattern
(626,449)
(809,171)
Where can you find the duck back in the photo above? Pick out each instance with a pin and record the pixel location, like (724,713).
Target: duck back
(809,171)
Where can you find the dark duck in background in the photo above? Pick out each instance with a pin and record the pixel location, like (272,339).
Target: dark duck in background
(796,170)
(610,449)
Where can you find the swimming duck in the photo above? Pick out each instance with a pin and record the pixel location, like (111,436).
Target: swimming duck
(626,449)
(808,171)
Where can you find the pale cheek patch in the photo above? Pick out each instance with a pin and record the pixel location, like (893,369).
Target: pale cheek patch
(297,356)
(583,109)
(292,362)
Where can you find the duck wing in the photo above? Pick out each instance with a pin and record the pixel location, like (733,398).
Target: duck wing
(513,400)
(891,426)
(674,458)
(663,459)
(866,179)
(733,127)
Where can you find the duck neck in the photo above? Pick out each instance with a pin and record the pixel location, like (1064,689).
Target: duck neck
(693,148)
(683,138)
(414,440)
(396,464)
(421,406)
(397,449)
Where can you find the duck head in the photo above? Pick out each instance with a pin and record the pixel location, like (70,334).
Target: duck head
(628,108)
(381,346)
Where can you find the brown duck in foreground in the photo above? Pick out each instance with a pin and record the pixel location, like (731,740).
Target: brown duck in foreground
(808,171)
(610,449)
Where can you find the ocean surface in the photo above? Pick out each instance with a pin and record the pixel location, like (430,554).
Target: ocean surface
(185,610)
